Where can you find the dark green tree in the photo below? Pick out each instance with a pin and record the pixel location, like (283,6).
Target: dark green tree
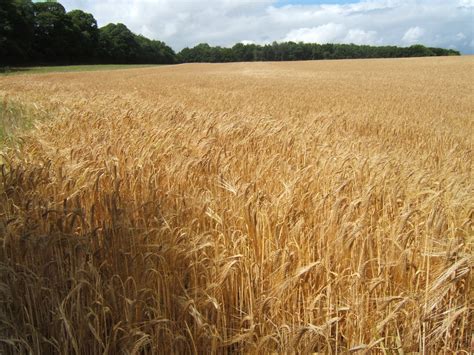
(154,52)
(303,51)
(84,40)
(16,31)
(52,34)
(117,44)
(417,50)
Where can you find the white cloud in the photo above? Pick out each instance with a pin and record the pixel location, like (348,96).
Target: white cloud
(330,32)
(460,36)
(413,35)
(466,3)
(183,23)
(358,36)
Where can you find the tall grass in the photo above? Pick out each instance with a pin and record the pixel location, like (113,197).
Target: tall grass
(16,117)
(242,208)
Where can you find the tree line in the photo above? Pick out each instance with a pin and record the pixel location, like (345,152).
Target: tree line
(288,51)
(44,33)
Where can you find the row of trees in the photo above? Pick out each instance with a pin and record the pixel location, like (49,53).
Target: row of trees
(44,33)
(303,51)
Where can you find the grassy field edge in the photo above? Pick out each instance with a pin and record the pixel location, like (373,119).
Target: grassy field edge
(70,68)
(17,117)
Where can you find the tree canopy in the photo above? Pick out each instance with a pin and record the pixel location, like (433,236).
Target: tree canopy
(44,33)
(288,51)
(16,30)
(85,36)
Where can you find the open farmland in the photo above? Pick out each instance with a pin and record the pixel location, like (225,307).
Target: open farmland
(253,207)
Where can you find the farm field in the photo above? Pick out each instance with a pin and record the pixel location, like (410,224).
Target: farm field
(70,68)
(320,206)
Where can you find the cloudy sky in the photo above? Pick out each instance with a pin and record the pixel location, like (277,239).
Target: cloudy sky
(181,23)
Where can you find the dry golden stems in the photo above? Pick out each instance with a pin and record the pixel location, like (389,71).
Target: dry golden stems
(316,207)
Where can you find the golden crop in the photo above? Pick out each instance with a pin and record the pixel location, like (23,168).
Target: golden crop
(254,207)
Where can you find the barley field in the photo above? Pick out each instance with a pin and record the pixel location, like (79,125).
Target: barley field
(309,207)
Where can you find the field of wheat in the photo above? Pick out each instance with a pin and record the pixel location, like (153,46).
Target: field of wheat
(312,207)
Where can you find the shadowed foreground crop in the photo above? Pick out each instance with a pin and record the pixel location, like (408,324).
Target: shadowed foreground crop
(316,207)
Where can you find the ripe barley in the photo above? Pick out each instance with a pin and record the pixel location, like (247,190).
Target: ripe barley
(311,207)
